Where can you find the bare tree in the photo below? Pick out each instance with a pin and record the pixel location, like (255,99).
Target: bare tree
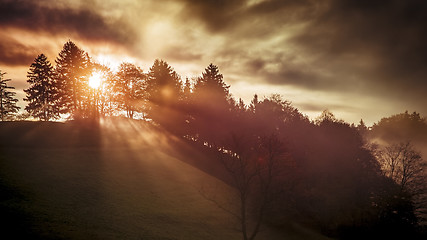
(406,167)
(129,89)
(255,167)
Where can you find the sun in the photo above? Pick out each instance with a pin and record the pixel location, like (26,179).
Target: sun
(95,80)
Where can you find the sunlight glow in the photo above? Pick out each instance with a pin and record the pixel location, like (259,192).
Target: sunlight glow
(95,80)
(113,61)
(108,60)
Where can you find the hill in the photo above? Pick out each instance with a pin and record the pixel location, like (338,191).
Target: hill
(113,180)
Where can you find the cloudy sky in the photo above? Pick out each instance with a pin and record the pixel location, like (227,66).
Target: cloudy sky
(358,58)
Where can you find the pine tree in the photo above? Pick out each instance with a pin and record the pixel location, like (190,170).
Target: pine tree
(212,87)
(187,90)
(362,128)
(73,68)
(254,104)
(164,85)
(211,106)
(164,91)
(7,100)
(42,94)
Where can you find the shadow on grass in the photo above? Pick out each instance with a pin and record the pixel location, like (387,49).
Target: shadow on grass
(15,222)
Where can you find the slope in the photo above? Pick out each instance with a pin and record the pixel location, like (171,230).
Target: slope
(116,180)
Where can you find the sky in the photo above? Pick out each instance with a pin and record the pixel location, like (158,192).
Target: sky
(359,59)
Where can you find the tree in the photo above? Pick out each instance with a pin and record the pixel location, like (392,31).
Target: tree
(273,113)
(7,99)
(211,86)
(164,85)
(105,94)
(362,128)
(255,167)
(72,71)
(401,163)
(43,92)
(404,126)
(210,106)
(129,89)
(187,90)
(164,90)
(327,117)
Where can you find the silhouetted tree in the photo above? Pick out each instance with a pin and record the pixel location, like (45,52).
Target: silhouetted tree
(212,87)
(72,71)
(164,85)
(105,93)
(211,106)
(165,94)
(187,91)
(327,117)
(254,103)
(274,115)
(255,167)
(129,89)
(404,165)
(362,128)
(43,92)
(401,127)
(8,101)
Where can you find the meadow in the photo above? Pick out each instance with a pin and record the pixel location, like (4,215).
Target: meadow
(113,180)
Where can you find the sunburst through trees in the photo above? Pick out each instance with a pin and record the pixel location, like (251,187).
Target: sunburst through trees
(327,178)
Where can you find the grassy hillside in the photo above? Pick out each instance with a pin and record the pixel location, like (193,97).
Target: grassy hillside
(118,180)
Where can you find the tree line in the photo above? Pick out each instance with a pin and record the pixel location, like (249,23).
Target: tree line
(63,91)
(284,167)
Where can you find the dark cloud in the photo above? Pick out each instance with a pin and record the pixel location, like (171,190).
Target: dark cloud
(86,23)
(297,77)
(283,70)
(389,33)
(227,15)
(13,53)
(217,15)
(367,47)
(256,65)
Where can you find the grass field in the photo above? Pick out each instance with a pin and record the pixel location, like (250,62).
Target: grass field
(115,181)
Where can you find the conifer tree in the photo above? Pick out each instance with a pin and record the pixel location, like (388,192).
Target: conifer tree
(164,85)
(8,101)
(211,106)
(43,92)
(164,91)
(187,90)
(73,68)
(212,86)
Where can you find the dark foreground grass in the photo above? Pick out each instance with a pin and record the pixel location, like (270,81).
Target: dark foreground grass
(120,187)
